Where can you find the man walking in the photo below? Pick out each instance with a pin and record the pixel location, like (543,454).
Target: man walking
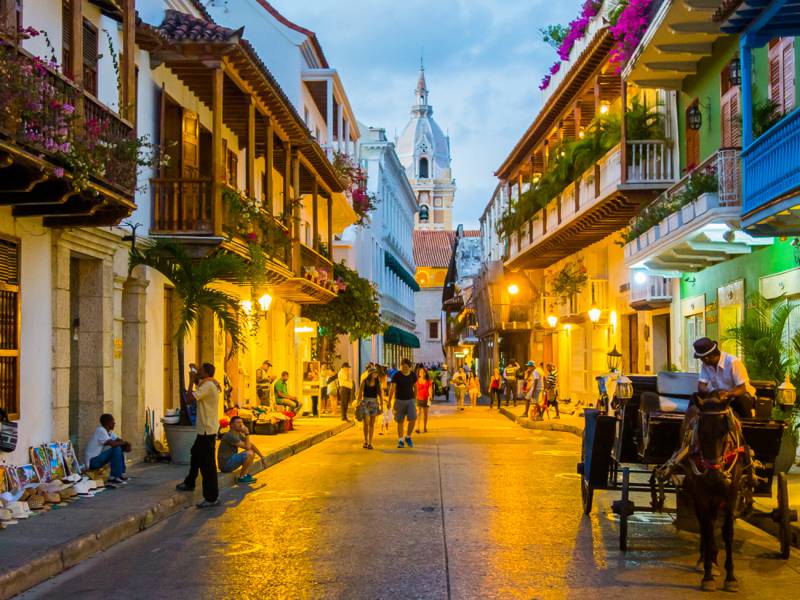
(207,397)
(345,378)
(510,376)
(402,396)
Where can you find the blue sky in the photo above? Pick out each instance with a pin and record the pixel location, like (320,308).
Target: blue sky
(483,60)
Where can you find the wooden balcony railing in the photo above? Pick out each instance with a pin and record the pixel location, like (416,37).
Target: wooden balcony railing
(182,206)
(46,113)
(310,258)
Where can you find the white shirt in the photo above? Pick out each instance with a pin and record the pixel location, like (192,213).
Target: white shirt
(535,383)
(345,379)
(727,374)
(444,377)
(97,443)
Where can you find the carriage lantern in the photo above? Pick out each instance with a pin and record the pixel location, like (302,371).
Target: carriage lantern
(787,393)
(613,360)
(624,388)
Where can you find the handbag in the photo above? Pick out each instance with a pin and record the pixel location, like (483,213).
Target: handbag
(8,433)
(361,411)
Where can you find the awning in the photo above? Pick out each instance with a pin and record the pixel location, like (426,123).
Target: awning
(394,335)
(399,270)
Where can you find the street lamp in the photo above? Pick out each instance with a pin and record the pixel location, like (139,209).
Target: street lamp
(264,302)
(639,277)
(613,360)
(624,388)
(594,314)
(786,394)
(604,108)
(694,118)
(513,289)
(735,72)
(552,321)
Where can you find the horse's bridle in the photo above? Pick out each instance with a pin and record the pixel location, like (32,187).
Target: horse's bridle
(720,463)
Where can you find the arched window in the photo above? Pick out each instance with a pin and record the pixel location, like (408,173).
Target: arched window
(423,168)
(423,214)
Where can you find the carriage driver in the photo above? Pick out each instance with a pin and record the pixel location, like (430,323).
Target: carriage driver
(725,374)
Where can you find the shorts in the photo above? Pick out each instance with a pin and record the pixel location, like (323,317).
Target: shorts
(371,408)
(423,403)
(405,409)
(234,462)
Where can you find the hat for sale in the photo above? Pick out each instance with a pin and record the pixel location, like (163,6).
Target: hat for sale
(20,510)
(703,347)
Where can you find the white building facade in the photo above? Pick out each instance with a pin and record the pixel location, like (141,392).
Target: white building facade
(383,252)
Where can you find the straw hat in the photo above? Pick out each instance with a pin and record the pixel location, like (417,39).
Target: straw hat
(20,510)
(7,516)
(52,498)
(84,488)
(36,502)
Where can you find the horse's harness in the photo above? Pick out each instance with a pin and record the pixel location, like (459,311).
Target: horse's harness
(724,464)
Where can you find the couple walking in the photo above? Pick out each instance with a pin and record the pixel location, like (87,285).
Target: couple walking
(407,392)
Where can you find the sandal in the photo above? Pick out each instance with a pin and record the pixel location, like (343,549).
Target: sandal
(365,445)
(369,446)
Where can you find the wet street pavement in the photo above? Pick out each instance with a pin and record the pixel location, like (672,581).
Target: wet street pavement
(479,508)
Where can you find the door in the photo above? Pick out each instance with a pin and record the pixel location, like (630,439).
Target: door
(662,359)
(168,351)
(730,299)
(630,343)
(694,327)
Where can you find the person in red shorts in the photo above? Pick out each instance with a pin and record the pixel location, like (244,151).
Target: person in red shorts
(424,396)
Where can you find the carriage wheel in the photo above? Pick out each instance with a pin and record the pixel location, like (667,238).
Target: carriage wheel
(624,510)
(784,517)
(587,493)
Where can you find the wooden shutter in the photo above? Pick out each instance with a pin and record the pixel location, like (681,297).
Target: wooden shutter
(787,76)
(9,327)
(731,127)
(775,86)
(90,57)
(66,40)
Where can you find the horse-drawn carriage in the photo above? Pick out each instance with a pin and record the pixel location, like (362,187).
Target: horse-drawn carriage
(624,452)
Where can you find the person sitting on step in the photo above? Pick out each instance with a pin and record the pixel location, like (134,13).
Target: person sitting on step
(228,456)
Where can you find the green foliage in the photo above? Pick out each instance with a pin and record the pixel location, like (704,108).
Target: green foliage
(553,35)
(571,279)
(355,311)
(765,115)
(761,339)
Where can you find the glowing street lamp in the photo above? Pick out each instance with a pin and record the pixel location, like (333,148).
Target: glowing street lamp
(552,321)
(264,302)
(624,388)
(513,289)
(594,314)
(613,360)
(640,277)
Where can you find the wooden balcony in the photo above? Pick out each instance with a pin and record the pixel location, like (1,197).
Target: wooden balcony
(313,282)
(182,209)
(649,292)
(48,125)
(598,203)
(575,308)
(771,176)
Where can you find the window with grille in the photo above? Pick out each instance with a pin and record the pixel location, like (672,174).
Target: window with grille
(9,327)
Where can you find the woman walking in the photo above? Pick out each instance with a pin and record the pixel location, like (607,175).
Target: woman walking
(459,383)
(495,388)
(370,397)
(474,387)
(424,396)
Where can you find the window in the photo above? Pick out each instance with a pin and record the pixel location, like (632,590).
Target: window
(781,73)
(729,111)
(433,330)
(9,327)
(90,49)
(424,214)
(423,168)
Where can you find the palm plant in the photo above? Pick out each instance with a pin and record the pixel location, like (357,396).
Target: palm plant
(194,283)
(761,339)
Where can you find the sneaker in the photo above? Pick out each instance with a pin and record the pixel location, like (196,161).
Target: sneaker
(182,487)
(409,443)
(400,444)
(116,481)
(207,503)
(245,479)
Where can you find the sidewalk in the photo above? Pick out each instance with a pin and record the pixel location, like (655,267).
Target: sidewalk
(574,425)
(47,544)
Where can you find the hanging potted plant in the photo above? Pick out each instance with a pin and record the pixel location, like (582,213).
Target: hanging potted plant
(570,280)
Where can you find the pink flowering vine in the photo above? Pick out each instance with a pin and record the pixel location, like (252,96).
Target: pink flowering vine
(576,30)
(628,31)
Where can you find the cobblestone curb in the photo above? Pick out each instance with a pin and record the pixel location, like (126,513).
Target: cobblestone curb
(549,425)
(67,555)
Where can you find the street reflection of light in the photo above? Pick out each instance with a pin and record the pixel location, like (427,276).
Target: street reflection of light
(264,302)
(594,314)
(247,306)
(552,321)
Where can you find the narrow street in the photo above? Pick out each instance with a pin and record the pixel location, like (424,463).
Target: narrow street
(479,508)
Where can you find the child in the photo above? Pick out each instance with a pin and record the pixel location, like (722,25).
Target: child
(387,418)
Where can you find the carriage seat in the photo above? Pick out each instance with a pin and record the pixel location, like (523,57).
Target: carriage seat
(674,393)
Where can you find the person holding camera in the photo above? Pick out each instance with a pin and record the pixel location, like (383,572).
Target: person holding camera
(206,393)
(105,447)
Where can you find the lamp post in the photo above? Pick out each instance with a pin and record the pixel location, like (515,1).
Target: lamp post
(594,314)
(613,360)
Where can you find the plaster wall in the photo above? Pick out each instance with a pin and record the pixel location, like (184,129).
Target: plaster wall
(428,307)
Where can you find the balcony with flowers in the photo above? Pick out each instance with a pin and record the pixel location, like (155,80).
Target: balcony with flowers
(64,156)
(354,179)
(694,224)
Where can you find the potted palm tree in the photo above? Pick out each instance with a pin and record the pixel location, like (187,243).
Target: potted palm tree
(195,283)
(769,356)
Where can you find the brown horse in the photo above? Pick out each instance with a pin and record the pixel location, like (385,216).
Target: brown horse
(714,468)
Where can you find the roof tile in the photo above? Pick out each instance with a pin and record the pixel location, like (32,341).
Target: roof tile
(433,248)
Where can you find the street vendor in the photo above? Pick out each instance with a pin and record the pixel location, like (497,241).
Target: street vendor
(725,374)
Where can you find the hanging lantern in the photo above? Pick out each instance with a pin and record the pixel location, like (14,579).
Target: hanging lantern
(624,388)
(694,118)
(786,394)
(613,360)
(595,314)
(735,72)
(552,321)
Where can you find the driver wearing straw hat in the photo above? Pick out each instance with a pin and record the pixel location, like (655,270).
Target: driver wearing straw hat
(725,374)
